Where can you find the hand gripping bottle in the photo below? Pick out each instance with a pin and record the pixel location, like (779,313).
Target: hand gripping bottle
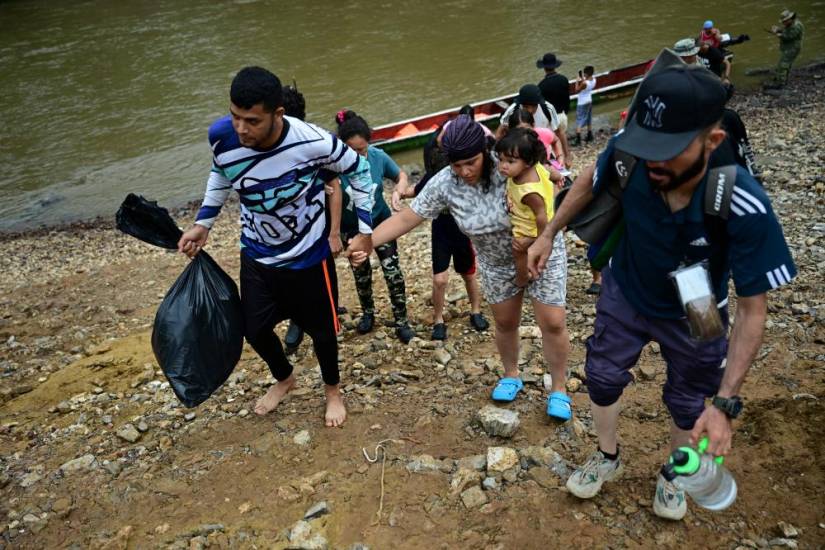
(701,476)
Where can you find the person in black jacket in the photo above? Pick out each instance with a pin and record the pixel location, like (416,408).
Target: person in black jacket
(555,87)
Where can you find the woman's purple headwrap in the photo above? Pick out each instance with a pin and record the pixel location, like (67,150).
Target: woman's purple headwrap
(463,139)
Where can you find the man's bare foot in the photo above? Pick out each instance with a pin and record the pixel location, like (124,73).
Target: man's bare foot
(336,411)
(274,396)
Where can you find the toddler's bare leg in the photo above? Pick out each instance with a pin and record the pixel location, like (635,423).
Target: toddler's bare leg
(520,246)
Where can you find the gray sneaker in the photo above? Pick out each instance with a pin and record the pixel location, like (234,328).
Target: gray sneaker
(587,480)
(669,502)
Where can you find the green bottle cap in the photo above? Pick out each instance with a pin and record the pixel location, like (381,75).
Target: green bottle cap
(685,461)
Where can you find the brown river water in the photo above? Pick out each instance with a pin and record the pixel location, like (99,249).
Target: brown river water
(103,97)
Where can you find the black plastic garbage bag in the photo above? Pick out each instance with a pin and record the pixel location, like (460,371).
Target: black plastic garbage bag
(198,332)
(148,222)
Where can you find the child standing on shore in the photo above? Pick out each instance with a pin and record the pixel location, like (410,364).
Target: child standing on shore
(584,105)
(529,192)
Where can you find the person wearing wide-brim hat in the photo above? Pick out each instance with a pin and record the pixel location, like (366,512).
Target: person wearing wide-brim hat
(687,49)
(555,87)
(790,44)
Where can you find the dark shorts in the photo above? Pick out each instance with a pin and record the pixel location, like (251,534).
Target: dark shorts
(694,369)
(448,242)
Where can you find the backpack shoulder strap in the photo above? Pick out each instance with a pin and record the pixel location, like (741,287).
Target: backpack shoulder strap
(546,111)
(623,165)
(719,191)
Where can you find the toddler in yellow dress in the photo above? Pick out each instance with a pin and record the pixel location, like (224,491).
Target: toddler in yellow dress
(529,192)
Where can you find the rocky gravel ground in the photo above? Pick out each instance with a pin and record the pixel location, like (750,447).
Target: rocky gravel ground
(96,451)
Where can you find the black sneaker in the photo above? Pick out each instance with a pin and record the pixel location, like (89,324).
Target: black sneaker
(404,333)
(366,323)
(293,338)
(439,331)
(577,140)
(478,322)
(589,137)
(595,289)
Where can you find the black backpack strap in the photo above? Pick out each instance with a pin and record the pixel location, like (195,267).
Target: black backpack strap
(719,191)
(623,165)
(546,111)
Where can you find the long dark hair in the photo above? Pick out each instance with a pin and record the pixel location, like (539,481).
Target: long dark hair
(520,115)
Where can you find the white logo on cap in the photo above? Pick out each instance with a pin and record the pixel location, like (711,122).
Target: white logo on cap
(620,169)
(655,108)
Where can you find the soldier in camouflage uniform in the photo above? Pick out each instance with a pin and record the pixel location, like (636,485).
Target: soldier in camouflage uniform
(355,132)
(790,44)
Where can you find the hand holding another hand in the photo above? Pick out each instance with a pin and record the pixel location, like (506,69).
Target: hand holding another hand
(359,248)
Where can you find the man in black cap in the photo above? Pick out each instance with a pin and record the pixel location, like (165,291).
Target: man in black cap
(555,87)
(662,157)
(529,97)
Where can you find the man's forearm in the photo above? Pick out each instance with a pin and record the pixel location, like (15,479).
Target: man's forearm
(577,198)
(745,340)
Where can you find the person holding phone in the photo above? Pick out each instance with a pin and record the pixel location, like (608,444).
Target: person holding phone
(584,106)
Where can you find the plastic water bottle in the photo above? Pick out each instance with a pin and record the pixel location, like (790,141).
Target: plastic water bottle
(701,476)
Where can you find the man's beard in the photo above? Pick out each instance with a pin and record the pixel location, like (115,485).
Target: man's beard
(677,181)
(263,139)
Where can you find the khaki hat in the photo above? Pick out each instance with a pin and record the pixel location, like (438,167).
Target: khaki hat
(786,15)
(685,47)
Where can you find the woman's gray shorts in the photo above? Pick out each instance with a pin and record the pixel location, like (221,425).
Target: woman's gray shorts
(550,289)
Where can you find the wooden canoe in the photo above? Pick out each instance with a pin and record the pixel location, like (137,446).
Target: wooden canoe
(414,132)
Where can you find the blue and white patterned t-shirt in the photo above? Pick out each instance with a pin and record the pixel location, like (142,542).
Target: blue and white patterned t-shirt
(282,197)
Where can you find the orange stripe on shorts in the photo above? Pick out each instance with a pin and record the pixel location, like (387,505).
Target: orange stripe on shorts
(335,321)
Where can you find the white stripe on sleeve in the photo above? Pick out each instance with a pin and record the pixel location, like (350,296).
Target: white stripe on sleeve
(750,198)
(743,204)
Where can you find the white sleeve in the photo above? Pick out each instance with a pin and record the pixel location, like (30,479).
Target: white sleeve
(218,187)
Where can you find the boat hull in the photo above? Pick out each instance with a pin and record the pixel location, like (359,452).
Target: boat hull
(414,133)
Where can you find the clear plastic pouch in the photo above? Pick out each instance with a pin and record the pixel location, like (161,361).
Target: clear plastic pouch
(699,301)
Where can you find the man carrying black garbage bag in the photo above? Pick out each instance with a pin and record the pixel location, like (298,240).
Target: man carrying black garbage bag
(272,161)
(690,225)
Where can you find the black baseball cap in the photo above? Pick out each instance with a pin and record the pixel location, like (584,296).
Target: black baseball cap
(672,107)
(529,94)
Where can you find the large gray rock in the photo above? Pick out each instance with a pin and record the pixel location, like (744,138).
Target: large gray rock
(423,464)
(83,463)
(498,422)
(302,537)
(129,433)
